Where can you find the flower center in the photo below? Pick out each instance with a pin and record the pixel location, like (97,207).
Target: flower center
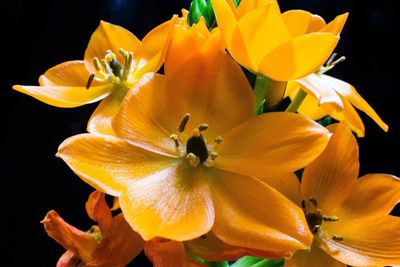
(196,150)
(109,69)
(314,216)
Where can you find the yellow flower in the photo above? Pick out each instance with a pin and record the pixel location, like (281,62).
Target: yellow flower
(348,216)
(327,95)
(113,62)
(186,155)
(112,243)
(279,46)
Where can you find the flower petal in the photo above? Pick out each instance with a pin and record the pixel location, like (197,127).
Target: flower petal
(108,163)
(210,248)
(98,210)
(174,203)
(366,242)
(287,184)
(355,99)
(372,195)
(212,89)
(108,36)
(119,245)
(336,25)
(330,178)
(315,257)
(245,217)
(165,253)
(297,21)
(80,243)
(298,57)
(271,144)
(70,73)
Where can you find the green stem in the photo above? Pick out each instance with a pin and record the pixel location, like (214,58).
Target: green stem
(218,264)
(260,91)
(267,263)
(294,106)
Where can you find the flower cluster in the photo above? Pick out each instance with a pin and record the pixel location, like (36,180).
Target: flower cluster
(205,161)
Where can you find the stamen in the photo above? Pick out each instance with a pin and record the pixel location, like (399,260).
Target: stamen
(213,155)
(90,80)
(331,59)
(339,60)
(106,66)
(330,218)
(193,159)
(218,139)
(110,56)
(316,228)
(183,123)
(97,64)
(337,237)
(122,52)
(127,65)
(202,127)
(175,138)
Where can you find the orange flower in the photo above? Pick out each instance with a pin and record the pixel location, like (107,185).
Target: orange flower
(327,95)
(186,153)
(348,216)
(112,243)
(114,61)
(279,46)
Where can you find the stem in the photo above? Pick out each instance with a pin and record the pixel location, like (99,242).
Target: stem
(218,264)
(261,88)
(294,106)
(267,263)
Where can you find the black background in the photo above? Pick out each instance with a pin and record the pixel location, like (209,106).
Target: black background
(40,34)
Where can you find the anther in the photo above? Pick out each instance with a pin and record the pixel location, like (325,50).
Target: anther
(90,80)
(110,56)
(97,64)
(183,123)
(202,127)
(218,139)
(175,138)
(316,228)
(303,204)
(330,218)
(193,159)
(314,202)
(213,155)
(337,237)
(122,52)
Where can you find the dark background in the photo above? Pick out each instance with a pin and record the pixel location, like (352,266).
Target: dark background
(40,34)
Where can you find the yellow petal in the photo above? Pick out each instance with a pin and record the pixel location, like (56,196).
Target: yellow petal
(297,21)
(66,97)
(350,115)
(330,178)
(108,36)
(70,73)
(247,6)
(310,108)
(336,25)
(80,243)
(210,248)
(355,99)
(316,24)
(119,245)
(298,57)
(322,90)
(108,163)
(174,203)
(262,31)
(372,195)
(315,257)
(100,120)
(272,144)
(212,90)
(245,217)
(366,242)
(225,17)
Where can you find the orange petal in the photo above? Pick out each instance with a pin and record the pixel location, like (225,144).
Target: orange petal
(262,31)
(372,195)
(78,242)
(366,242)
(119,246)
(330,178)
(289,185)
(322,90)
(355,99)
(225,17)
(297,21)
(108,36)
(98,210)
(210,248)
(108,163)
(100,120)
(70,73)
(271,144)
(298,57)
(245,217)
(211,89)
(336,25)
(165,253)
(174,203)
(315,257)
